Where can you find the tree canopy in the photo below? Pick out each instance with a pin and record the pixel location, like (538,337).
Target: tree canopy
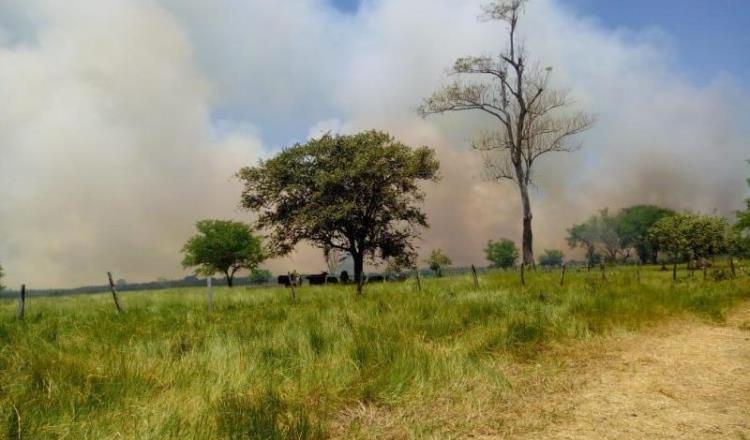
(356,193)
(223,246)
(633,224)
(598,234)
(551,258)
(502,254)
(616,236)
(437,261)
(690,236)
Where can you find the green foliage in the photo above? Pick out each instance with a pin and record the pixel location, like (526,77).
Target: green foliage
(598,234)
(691,236)
(359,194)
(2,274)
(551,258)
(614,236)
(502,254)
(633,224)
(223,246)
(437,261)
(260,276)
(260,367)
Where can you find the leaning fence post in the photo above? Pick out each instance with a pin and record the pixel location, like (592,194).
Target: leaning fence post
(562,274)
(419,282)
(210,294)
(114,292)
(22,302)
(476,279)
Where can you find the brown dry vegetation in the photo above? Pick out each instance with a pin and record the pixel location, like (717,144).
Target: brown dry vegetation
(685,379)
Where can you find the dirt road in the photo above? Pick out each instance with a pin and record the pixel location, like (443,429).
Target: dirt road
(687,380)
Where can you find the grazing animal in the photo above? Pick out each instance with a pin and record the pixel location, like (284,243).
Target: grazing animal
(284,279)
(317,280)
(332,280)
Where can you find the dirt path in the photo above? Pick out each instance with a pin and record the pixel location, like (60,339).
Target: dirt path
(683,381)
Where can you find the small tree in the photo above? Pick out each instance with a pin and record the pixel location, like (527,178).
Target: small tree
(551,258)
(2,274)
(437,260)
(359,194)
(502,254)
(598,234)
(223,246)
(260,276)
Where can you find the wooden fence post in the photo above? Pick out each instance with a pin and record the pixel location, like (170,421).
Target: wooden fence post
(210,294)
(292,282)
(731,264)
(476,279)
(22,302)
(419,282)
(114,292)
(562,275)
(604,270)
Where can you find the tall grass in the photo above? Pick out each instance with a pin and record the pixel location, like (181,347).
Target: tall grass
(263,367)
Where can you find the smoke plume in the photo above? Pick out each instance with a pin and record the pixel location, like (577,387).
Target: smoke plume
(123,122)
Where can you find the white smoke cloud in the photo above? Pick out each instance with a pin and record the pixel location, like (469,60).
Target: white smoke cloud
(127,119)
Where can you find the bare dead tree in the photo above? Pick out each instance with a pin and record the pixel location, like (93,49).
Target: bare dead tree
(532,118)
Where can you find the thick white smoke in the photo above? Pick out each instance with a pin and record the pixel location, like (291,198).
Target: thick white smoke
(123,121)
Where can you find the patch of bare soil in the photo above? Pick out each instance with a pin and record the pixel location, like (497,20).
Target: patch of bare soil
(685,380)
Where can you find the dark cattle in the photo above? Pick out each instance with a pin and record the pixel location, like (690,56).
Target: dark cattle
(375,279)
(317,280)
(332,280)
(284,279)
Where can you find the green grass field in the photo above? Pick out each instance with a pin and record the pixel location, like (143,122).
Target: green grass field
(262,367)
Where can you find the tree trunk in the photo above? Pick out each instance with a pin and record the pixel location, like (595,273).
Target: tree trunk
(528,237)
(359,263)
(230,279)
(674,271)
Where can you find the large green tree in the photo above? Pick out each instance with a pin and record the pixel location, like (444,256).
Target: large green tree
(632,225)
(531,117)
(223,246)
(502,254)
(358,193)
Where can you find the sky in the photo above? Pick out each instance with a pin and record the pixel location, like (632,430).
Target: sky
(124,121)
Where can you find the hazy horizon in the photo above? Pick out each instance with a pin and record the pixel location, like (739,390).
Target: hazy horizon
(127,120)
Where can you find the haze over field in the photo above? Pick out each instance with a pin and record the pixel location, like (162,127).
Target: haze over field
(123,122)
